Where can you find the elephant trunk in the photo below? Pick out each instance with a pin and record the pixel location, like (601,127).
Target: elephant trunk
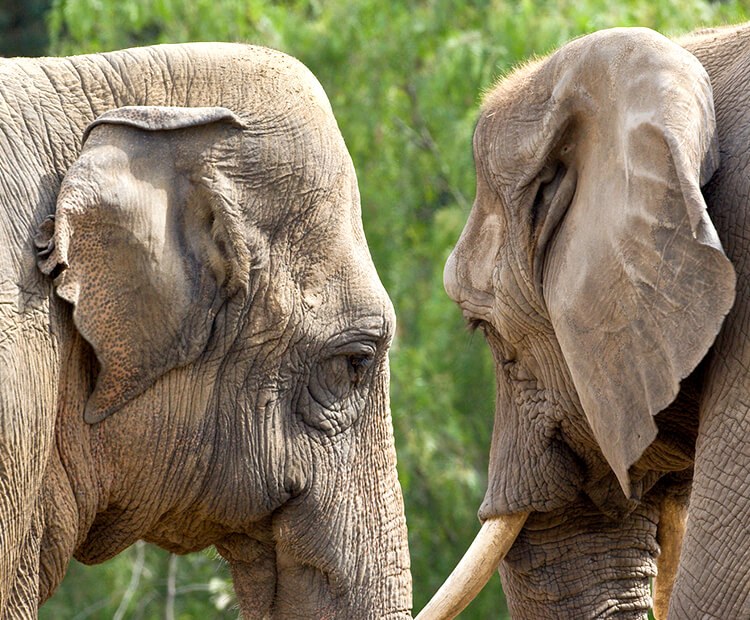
(353,569)
(351,563)
(380,587)
(338,548)
(577,562)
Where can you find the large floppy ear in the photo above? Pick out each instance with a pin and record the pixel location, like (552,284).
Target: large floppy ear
(147,242)
(634,276)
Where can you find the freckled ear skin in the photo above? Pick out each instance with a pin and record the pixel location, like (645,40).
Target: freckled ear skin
(635,280)
(144,254)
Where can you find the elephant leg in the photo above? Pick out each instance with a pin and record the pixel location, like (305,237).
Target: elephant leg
(713,580)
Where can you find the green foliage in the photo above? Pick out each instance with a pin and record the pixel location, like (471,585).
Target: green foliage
(145,583)
(404,80)
(24,28)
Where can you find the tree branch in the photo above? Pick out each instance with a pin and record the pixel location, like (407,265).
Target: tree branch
(135,577)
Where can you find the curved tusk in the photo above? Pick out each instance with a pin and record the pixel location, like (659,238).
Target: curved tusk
(669,534)
(474,570)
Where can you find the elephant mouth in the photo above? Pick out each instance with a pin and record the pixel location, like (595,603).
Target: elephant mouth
(270,582)
(253,566)
(275,585)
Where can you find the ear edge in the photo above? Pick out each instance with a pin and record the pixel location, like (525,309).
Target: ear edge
(44,241)
(164,118)
(241,245)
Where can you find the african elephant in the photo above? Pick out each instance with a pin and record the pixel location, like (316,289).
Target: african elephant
(602,257)
(198,353)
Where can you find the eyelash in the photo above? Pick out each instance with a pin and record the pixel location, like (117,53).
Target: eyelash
(358,365)
(473,324)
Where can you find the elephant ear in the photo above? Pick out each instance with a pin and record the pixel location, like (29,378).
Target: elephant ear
(635,279)
(147,242)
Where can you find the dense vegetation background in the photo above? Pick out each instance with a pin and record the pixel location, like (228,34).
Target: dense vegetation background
(405,80)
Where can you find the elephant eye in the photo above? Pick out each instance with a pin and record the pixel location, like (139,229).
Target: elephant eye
(504,353)
(338,374)
(358,365)
(337,389)
(357,358)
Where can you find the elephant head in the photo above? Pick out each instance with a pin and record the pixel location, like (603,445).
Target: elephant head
(226,381)
(591,265)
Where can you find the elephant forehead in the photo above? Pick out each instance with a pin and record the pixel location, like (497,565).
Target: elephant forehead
(298,154)
(322,225)
(273,80)
(341,274)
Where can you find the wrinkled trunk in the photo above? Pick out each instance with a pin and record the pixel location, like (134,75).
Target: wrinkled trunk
(365,570)
(347,557)
(577,563)
(339,549)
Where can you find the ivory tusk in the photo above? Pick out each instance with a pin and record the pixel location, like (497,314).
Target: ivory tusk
(474,570)
(669,534)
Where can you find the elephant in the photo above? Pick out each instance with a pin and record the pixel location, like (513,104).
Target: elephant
(195,339)
(605,261)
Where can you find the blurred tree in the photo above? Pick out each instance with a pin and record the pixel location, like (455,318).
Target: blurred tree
(404,81)
(145,583)
(24,27)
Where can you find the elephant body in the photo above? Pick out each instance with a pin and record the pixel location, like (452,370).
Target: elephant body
(712,581)
(605,260)
(200,356)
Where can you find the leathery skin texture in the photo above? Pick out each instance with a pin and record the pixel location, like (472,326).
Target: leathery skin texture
(200,344)
(605,260)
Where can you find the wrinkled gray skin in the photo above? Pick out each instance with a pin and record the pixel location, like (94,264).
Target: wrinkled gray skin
(210,364)
(591,264)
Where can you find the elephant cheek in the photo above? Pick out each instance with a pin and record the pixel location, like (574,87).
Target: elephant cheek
(531,467)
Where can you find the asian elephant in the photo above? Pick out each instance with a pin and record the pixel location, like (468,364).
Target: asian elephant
(606,261)
(195,339)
